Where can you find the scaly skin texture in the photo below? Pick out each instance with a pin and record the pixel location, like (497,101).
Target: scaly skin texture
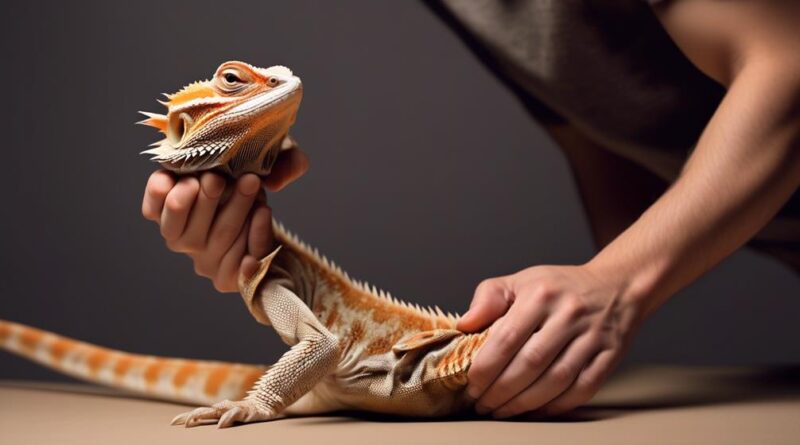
(392,357)
(234,123)
(352,346)
(179,380)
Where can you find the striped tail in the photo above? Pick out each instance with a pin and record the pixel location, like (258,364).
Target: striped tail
(196,382)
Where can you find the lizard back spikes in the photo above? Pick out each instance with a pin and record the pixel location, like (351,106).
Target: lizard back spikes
(237,122)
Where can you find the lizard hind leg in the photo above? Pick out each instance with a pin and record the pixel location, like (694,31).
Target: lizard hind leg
(314,355)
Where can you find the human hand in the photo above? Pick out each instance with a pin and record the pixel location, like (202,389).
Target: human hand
(223,228)
(559,331)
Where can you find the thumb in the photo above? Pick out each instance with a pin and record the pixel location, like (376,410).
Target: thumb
(491,301)
(290,165)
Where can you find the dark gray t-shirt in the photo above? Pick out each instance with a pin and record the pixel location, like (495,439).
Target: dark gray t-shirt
(610,69)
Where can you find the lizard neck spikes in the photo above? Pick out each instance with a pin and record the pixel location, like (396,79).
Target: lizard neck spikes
(236,122)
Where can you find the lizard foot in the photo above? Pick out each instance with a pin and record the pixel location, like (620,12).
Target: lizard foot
(225,414)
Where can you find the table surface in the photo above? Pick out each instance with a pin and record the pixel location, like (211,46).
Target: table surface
(646,405)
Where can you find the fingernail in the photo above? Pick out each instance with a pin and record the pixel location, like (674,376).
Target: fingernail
(473,393)
(249,187)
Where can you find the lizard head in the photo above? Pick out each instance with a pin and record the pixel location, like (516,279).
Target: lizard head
(236,122)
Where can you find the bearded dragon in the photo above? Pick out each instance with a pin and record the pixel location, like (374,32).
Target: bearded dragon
(353,347)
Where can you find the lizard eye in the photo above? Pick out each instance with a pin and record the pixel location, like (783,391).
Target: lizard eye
(272,81)
(231,81)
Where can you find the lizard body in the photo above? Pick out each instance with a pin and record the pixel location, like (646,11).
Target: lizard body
(352,345)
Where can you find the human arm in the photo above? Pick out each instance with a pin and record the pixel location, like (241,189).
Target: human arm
(223,232)
(561,329)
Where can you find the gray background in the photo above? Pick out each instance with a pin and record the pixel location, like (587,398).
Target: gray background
(427,176)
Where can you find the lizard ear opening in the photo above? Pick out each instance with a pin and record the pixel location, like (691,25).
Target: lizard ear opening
(178,127)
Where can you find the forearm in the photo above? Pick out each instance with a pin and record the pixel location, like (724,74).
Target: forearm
(745,167)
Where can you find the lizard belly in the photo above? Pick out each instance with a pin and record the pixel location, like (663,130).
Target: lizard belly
(409,383)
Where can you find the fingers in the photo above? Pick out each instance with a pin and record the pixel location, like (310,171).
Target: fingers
(491,300)
(226,279)
(227,226)
(555,380)
(195,234)
(260,239)
(177,205)
(231,218)
(158,186)
(530,361)
(290,165)
(506,338)
(585,386)
(217,236)
(249,266)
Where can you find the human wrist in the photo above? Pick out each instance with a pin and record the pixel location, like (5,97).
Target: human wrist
(637,282)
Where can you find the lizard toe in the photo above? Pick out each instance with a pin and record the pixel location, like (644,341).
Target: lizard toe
(201,416)
(180,419)
(230,417)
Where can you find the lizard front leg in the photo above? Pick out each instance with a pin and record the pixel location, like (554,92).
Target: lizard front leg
(313,356)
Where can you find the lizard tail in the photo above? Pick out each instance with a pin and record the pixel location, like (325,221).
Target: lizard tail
(178,380)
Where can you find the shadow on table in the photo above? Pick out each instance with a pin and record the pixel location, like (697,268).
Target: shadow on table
(667,388)
(652,388)
(633,390)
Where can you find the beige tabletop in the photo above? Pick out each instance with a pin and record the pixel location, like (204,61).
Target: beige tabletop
(639,406)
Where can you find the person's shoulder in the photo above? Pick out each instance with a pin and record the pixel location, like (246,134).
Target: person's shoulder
(721,36)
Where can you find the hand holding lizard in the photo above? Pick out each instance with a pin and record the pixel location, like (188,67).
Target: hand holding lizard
(558,332)
(221,236)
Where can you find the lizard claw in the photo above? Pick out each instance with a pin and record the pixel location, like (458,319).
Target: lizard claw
(224,414)
(201,416)
(180,419)
(229,418)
